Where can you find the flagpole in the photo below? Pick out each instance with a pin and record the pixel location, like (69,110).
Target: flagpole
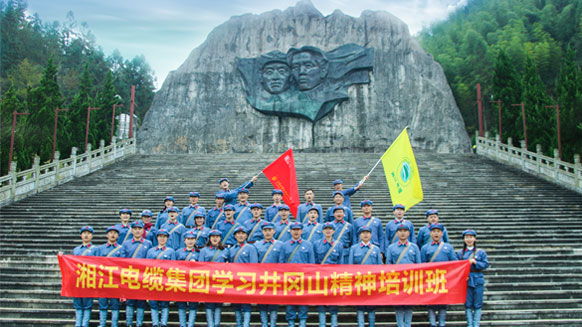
(378,162)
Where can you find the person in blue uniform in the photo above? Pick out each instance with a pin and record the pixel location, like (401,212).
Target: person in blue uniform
(174,229)
(137,248)
(365,253)
(186,217)
(242,211)
(111,249)
(253,226)
(312,229)
(242,253)
(216,214)
(199,230)
(283,225)
(403,252)
(149,231)
(213,252)
(304,208)
(84,305)
(228,226)
(338,198)
(123,227)
(160,252)
(296,250)
(230,196)
(338,185)
(437,251)
(398,210)
(188,253)
(268,250)
(344,231)
(374,223)
(163,214)
(432,217)
(476,281)
(328,251)
(273,210)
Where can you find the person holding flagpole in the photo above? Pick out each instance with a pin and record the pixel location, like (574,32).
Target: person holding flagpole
(230,197)
(338,185)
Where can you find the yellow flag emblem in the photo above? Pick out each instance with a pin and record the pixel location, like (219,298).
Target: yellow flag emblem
(402,173)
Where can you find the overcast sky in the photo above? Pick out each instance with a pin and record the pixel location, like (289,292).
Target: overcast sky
(165,32)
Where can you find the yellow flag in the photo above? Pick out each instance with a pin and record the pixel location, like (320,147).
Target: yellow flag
(402,173)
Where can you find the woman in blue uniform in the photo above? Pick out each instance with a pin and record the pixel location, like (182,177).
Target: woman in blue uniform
(213,252)
(476,282)
(188,253)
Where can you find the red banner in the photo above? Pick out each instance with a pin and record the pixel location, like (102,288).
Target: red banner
(308,284)
(281,173)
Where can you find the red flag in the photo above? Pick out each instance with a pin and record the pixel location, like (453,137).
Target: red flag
(281,173)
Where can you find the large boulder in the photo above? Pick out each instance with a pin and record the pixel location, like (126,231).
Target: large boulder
(202,107)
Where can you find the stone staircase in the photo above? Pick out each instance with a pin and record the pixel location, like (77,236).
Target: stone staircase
(531,229)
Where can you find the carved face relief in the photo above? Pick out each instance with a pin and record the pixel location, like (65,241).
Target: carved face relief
(276,77)
(307,70)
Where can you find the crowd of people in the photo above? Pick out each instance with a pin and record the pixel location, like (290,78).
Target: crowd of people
(241,232)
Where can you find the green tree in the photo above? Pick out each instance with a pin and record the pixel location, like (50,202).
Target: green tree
(541,121)
(569,95)
(9,103)
(41,104)
(507,88)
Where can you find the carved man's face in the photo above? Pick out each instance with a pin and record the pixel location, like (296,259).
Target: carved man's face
(307,71)
(276,77)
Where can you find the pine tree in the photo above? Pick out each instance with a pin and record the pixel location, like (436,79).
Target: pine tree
(541,121)
(9,103)
(507,87)
(42,102)
(106,101)
(569,95)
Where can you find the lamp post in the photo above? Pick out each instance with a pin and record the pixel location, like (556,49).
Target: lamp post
(480,108)
(55,132)
(557,106)
(499,105)
(14,114)
(113,119)
(87,130)
(131,111)
(523,118)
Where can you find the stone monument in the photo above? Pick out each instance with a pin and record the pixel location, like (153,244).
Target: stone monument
(296,78)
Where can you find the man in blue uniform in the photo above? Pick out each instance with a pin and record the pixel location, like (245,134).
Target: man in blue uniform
(312,229)
(338,185)
(123,226)
(253,226)
(268,250)
(160,252)
(111,249)
(297,250)
(338,198)
(137,248)
(305,207)
(228,226)
(283,225)
(365,253)
(374,223)
(242,212)
(391,237)
(437,251)
(217,213)
(242,253)
(403,252)
(230,197)
(83,305)
(328,251)
(272,212)
(174,229)
(344,231)
(432,217)
(186,218)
